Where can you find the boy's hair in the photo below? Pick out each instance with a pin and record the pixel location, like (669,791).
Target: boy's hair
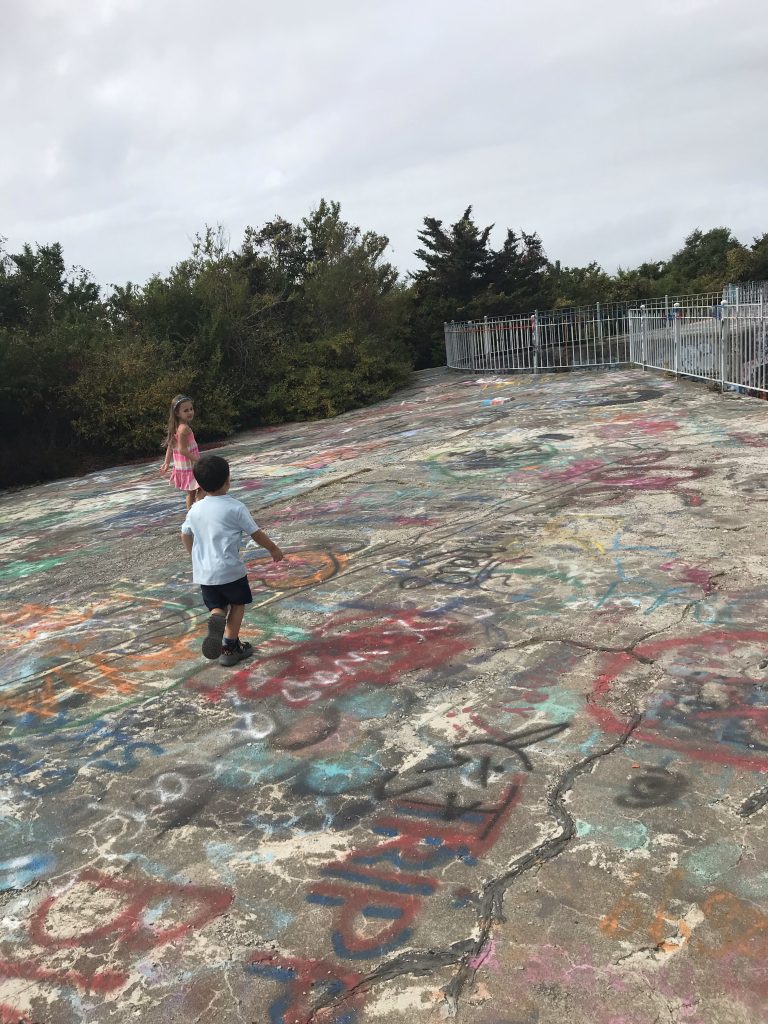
(211,472)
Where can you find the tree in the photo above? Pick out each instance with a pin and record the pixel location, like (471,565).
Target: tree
(457,262)
(346,317)
(519,276)
(755,266)
(275,256)
(644,282)
(301,320)
(36,290)
(702,263)
(347,276)
(579,286)
(760,258)
(464,278)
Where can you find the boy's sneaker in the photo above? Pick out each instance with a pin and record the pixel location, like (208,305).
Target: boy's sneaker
(212,643)
(235,653)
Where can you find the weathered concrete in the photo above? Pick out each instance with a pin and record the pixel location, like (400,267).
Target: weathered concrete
(501,755)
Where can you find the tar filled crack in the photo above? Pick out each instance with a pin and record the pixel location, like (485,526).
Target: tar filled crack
(491,902)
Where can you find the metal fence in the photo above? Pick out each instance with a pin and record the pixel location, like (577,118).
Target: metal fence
(715,337)
(724,343)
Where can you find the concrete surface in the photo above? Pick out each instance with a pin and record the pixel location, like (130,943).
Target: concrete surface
(500,757)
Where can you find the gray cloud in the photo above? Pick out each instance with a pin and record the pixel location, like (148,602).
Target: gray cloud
(612,129)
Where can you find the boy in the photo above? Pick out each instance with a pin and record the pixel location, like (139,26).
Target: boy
(212,533)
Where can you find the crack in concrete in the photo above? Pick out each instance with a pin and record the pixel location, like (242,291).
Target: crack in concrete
(417,964)
(628,649)
(284,500)
(642,952)
(754,802)
(491,903)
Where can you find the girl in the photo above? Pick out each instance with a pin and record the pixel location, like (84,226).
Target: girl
(181,445)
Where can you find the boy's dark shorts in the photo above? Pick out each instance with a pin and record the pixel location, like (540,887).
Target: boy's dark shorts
(225,594)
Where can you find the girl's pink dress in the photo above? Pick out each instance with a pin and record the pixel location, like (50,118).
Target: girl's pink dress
(181,474)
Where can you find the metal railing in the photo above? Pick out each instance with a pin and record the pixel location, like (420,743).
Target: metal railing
(714,337)
(725,344)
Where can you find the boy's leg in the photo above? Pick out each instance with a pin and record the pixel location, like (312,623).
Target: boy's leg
(238,595)
(217,621)
(234,621)
(233,651)
(217,605)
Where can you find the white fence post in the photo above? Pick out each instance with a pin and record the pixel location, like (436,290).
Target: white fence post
(676,334)
(724,332)
(600,336)
(536,341)
(643,331)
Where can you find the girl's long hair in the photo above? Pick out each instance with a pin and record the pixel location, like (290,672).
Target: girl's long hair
(173,419)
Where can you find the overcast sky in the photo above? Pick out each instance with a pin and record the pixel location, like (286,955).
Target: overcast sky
(611,127)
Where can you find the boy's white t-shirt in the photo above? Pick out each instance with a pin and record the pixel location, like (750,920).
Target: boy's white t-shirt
(218,523)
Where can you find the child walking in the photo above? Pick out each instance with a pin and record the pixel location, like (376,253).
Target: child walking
(180,444)
(212,534)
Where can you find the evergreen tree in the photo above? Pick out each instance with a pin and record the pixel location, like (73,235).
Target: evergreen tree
(457,262)
(520,275)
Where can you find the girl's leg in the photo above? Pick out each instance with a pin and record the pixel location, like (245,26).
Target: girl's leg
(234,621)
(191,495)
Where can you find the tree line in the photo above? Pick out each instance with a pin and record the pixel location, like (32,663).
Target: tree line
(299,321)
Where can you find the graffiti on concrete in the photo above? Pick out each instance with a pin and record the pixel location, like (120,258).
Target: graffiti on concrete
(479,602)
(716,710)
(655,787)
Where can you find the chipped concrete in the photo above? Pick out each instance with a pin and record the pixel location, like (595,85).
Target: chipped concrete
(500,757)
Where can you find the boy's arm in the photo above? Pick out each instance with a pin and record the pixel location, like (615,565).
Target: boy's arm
(263,540)
(188,539)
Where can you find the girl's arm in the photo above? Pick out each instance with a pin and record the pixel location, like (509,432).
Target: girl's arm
(183,436)
(166,461)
